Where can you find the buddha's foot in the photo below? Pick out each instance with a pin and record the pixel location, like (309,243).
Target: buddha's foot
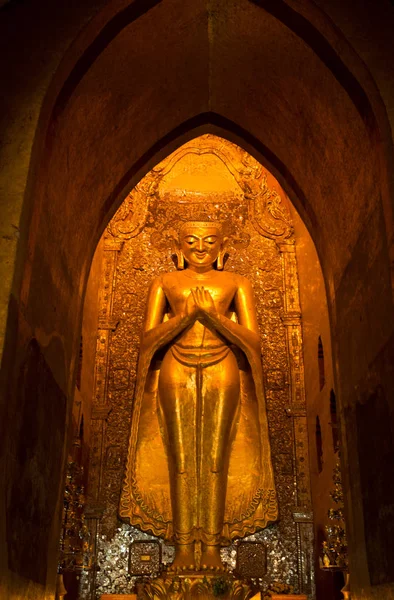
(210,559)
(213,569)
(184,559)
(180,568)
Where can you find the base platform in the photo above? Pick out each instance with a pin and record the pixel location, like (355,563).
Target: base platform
(200,585)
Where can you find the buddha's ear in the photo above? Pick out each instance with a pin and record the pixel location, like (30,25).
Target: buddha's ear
(221,255)
(178,254)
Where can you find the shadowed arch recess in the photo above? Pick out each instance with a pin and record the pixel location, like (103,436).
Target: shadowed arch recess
(87,81)
(281,10)
(122,117)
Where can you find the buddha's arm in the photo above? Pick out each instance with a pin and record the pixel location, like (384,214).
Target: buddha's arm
(245,333)
(157,333)
(236,333)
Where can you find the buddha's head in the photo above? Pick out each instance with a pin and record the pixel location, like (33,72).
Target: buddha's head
(201,244)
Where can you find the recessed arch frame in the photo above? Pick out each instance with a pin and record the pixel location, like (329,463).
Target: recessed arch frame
(304,19)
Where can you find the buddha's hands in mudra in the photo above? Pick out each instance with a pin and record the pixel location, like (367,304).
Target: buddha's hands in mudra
(200,303)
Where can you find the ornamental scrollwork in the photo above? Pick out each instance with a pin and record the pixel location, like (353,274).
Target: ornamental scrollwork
(267,210)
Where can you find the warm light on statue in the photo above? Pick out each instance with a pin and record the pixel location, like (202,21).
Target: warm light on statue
(199,466)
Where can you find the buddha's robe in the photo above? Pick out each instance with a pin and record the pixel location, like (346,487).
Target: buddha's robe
(250,498)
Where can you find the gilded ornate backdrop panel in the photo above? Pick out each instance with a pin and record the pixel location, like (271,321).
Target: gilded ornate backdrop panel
(138,245)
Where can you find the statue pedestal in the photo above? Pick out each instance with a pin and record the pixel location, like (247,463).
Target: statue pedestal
(289,597)
(195,585)
(118,597)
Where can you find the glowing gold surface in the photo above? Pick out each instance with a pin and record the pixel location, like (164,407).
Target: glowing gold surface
(200,361)
(261,247)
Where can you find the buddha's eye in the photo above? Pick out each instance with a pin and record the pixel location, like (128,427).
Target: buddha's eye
(190,241)
(210,240)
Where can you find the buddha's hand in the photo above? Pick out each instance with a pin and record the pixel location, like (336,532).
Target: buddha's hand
(191,309)
(204,301)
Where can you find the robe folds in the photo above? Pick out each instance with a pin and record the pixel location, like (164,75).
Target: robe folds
(251,502)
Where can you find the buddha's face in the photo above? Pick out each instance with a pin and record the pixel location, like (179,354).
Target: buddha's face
(200,245)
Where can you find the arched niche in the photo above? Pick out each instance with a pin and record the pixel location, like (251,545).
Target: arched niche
(122,125)
(211,177)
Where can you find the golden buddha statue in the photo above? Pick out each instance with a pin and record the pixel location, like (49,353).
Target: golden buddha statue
(199,467)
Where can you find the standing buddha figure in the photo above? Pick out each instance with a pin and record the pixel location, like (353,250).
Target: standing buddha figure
(199,468)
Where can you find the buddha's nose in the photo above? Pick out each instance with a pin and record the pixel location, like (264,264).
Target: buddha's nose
(200,245)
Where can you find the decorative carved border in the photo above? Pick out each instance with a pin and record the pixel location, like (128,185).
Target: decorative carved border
(267,210)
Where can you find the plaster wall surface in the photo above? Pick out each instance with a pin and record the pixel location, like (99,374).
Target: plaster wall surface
(315,325)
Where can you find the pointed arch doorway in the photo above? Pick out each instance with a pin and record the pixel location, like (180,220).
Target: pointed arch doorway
(212,176)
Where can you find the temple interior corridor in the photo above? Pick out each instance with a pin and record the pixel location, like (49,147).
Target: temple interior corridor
(267,125)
